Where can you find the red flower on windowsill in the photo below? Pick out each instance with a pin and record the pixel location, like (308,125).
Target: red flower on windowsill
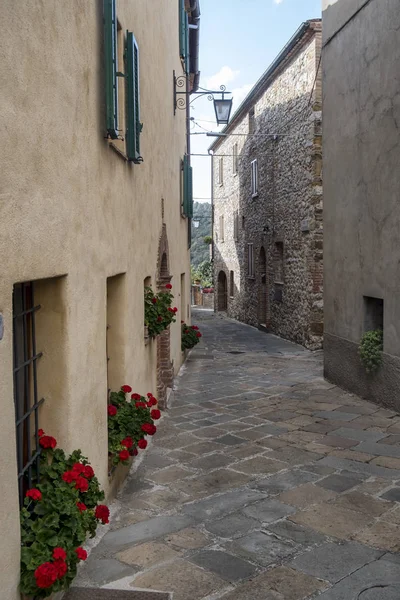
(149,429)
(46,574)
(112,410)
(47,441)
(142,444)
(34,494)
(81,553)
(81,484)
(126,389)
(136,396)
(127,442)
(124,455)
(155,414)
(59,554)
(81,507)
(102,513)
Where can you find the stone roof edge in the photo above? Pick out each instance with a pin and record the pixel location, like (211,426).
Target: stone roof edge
(294,45)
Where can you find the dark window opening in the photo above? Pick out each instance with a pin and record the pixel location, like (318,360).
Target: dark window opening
(231,283)
(278,293)
(278,262)
(373,313)
(26,386)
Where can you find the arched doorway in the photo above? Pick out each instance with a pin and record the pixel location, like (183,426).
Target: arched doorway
(165,367)
(262,288)
(222,291)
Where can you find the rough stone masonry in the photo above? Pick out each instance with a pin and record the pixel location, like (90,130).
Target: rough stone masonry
(268,241)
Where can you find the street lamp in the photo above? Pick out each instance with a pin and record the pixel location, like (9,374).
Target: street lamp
(222,106)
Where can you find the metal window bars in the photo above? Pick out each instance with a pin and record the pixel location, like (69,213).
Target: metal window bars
(25,386)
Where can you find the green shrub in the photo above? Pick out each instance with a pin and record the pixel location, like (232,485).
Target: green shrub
(190,336)
(371,347)
(158,311)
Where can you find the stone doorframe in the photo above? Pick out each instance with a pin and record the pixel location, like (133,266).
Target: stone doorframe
(165,367)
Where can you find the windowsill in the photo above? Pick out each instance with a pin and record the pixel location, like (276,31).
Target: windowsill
(251,277)
(220,184)
(117,148)
(279,283)
(254,195)
(235,174)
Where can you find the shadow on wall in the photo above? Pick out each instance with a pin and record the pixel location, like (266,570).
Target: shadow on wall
(268,268)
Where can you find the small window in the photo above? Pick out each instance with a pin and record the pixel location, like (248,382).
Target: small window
(183,294)
(278,262)
(243,222)
(221,171)
(235,159)
(120,142)
(231,283)
(373,313)
(115,332)
(251,121)
(250,260)
(254,178)
(278,293)
(236,226)
(132,77)
(221,229)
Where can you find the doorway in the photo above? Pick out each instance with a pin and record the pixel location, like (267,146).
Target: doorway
(222,292)
(262,289)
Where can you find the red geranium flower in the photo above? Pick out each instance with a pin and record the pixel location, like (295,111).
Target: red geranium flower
(81,507)
(102,513)
(155,414)
(127,442)
(153,401)
(61,567)
(81,553)
(149,428)
(40,432)
(198,334)
(88,472)
(112,410)
(154,300)
(168,286)
(124,455)
(149,395)
(136,396)
(170,309)
(159,319)
(70,476)
(186,331)
(142,444)
(59,554)
(133,452)
(82,484)
(140,404)
(175,309)
(195,327)
(78,468)
(34,494)
(47,441)
(126,389)
(46,574)
(182,322)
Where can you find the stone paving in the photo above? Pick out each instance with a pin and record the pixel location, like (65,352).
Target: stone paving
(264,482)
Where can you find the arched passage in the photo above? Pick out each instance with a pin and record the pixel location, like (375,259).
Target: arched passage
(222,291)
(262,288)
(165,367)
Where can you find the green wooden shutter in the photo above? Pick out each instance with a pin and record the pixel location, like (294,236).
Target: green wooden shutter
(111,67)
(133,124)
(184,35)
(187,188)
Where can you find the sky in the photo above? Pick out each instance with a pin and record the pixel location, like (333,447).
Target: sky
(239,39)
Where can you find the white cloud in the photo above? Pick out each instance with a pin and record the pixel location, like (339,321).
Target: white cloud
(278,1)
(224,76)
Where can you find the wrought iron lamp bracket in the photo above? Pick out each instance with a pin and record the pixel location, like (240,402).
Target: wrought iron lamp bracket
(181,94)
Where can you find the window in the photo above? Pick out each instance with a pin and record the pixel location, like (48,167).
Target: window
(115,339)
(122,89)
(26,397)
(278,293)
(243,222)
(221,229)
(184,36)
(183,295)
(251,121)
(221,171)
(236,226)
(373,313)
(250,260)
(235,159)
(278,262)
(254,178)
(187,188)
(231,284)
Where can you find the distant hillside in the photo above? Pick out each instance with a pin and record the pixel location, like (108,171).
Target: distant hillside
(200,251)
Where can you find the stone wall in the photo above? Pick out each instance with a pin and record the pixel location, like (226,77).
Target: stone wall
(284,221)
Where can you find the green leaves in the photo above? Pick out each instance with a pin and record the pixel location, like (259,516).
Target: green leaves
(158,311)
(189,337)
(371,348)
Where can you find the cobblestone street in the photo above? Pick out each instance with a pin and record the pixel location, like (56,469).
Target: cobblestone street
(263,482)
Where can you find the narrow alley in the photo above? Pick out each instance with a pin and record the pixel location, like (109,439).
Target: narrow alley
(263,482)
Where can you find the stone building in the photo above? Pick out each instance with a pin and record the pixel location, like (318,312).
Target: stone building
(267,199)
(361,56)
(91,211)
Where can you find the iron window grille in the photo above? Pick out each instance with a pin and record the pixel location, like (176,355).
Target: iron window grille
(25,386)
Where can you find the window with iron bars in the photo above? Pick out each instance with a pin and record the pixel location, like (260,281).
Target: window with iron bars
(26,386)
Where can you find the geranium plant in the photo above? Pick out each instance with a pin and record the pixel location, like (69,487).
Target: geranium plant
(58,513)
(190,336)
(371,348)
(158,310)
(130,418)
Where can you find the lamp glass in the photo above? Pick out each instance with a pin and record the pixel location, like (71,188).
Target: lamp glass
(223,109)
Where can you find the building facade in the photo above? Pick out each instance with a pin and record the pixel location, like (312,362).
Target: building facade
(361,103)
(267,199)
(92,210)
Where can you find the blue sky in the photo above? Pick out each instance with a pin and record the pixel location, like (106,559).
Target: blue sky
(238,40)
